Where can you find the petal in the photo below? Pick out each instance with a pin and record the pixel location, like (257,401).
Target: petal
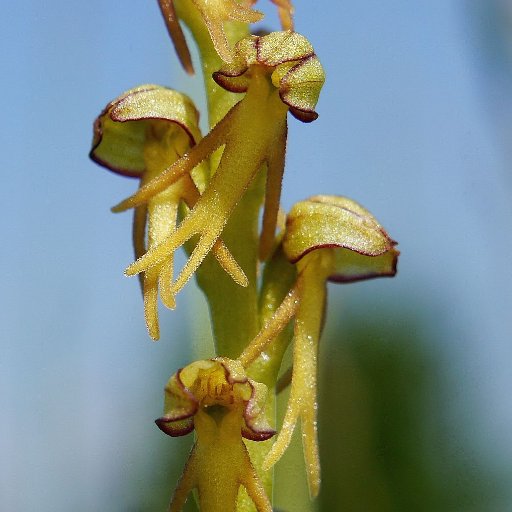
(361,247)
(257,427)
(232,76)
(296,71)
(120,129)
(300,88)
(180,405)
(156,102)
(175,428)
(279,47)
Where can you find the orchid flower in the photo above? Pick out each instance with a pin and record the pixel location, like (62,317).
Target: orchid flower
(140,134)
(328,238)
(216,399)
(278,72)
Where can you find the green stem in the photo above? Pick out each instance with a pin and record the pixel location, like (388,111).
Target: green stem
(233,309)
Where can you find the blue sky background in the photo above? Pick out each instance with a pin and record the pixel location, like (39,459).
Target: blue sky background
(415,123)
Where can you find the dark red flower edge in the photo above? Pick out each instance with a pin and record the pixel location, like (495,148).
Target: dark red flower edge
(170,424)
(98,133)
(222,78)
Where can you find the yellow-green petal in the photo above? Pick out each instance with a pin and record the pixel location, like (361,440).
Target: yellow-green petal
(290,59)
(120,130)
(300,88)
(352,266)
(179,408)
(359,246)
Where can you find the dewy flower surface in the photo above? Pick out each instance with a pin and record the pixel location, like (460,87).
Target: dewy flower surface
(218,400)
(278,72)
(140,134)
(328,238)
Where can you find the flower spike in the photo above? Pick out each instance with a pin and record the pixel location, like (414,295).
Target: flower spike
(195,191)
(218,400)
(328,238)
(253,133)
(140,134)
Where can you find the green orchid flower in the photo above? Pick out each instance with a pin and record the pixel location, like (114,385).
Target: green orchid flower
(216,399)
(327,238)
(140,134)
(278,73)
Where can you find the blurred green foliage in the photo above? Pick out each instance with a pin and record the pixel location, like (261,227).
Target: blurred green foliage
(386,442)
